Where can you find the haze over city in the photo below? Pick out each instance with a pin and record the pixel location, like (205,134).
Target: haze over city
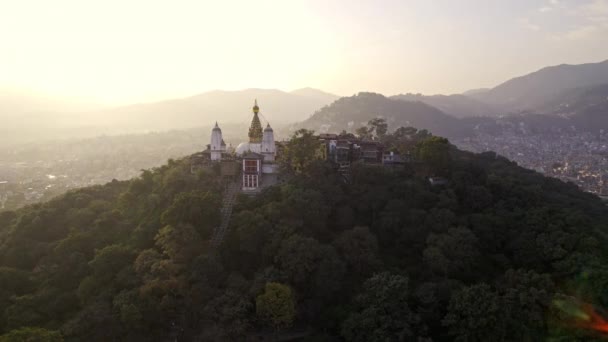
(119,52)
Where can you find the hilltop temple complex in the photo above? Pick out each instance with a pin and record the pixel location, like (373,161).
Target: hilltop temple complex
(255,161)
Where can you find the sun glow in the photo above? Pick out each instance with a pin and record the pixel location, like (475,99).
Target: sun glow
(164,49)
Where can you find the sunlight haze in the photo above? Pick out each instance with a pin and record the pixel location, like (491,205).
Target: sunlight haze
(135,51)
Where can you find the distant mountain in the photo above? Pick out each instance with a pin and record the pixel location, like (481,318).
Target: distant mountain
(589,113)
(562,90)
(592,118)
(456,105)
(223,106)
(585,109)
(26,119)
(535,89)
(475,91)
(312,93)
(16,101)
(27,116)
(349,113)
(573,101)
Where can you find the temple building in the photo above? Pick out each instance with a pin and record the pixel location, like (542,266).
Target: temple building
(254,161)
(257,156)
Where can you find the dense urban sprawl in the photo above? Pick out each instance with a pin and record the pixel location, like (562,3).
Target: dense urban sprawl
(578,157)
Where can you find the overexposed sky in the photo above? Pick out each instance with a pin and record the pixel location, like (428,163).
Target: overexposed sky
(121,51)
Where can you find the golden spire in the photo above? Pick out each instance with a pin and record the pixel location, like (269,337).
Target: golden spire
(256,109)
(255,130)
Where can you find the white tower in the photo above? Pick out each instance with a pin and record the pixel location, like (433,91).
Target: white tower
(268,147)
(217,143)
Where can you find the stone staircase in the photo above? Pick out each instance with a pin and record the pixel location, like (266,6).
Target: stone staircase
(229,197)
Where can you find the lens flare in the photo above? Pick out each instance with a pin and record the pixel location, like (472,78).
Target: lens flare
(585,316)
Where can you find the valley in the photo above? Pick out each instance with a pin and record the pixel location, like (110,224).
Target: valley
(562,133)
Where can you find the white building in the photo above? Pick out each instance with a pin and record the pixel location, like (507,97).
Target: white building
(217,146)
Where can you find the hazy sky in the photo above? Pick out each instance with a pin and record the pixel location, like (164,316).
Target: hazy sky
(123,51)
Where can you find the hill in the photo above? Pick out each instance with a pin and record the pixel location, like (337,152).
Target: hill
(532,90)
(312,93)
(459,106)
(584,109)
(572,101)
(348,113)
(497,251)
(475,91)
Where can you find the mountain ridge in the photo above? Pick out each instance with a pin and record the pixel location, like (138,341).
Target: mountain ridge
(277,107)
(531,90)
(352,112)
(456,105)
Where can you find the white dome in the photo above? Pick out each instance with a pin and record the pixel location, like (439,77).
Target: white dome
(246,147)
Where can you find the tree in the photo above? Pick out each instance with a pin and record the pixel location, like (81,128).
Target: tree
(31,334)
(301,151)
(328,276)
(359,248)
(307,206)
(111,268)
(525,299)
(474,314)
(14,281)
(378,126)
(110,260)
(404,139)
(196,208)
(299,257)
(452,253)
(276,306)
(376,129)
(435,152)
(382,312)
(364,133)
(181,243)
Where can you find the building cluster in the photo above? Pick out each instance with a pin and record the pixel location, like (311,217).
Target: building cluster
(346,149)
(39,171)
(256,160)
(572,156)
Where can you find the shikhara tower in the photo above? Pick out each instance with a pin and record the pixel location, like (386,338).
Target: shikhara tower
(255,131)
(260,141)
(217,146)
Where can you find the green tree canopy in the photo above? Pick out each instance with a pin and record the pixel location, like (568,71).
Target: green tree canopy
(300,152)
(276,306)
(435,152)
(31,334)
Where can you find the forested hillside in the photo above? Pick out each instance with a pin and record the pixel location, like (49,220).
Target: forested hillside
(460,106)
(499,253)
(349,113)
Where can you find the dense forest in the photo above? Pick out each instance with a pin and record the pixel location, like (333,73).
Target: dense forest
(499,253)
